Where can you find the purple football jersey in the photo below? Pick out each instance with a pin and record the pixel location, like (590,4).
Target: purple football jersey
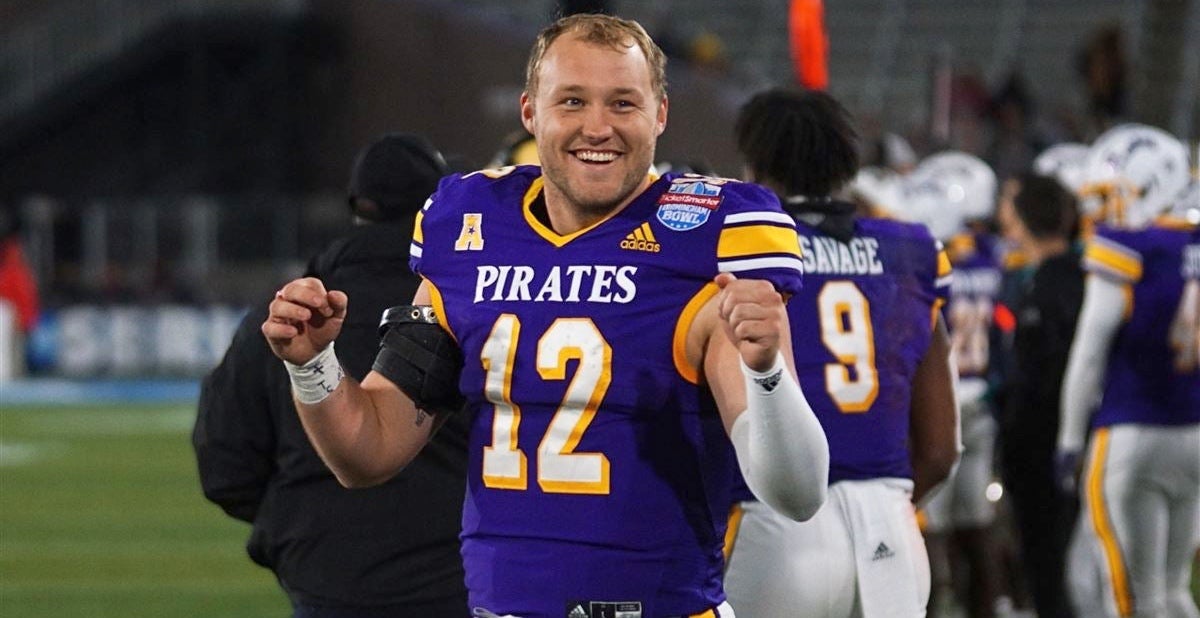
(1190,268)
(969,312)
(1146,382)
(596,461)
(860,327)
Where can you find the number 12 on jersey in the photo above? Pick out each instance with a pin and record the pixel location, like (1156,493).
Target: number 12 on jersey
(559,468)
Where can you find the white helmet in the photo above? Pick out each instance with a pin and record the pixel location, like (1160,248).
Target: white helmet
(1065,162)
(1187,204)
(898,154)
(948,189)
(881,188)
(1134,173)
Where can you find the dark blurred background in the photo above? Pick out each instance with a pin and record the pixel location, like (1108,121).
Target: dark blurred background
(166,162)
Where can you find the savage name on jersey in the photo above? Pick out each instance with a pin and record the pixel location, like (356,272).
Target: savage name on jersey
(595,459)
(1146,381)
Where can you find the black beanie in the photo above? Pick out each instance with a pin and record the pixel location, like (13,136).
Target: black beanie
(398,171)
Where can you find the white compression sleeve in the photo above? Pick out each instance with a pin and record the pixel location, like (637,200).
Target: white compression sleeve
(1103,309)
(781,448)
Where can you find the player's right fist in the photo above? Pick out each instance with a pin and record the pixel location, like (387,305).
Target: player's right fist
(304,319)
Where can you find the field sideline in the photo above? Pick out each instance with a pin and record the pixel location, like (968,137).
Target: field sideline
(101,515)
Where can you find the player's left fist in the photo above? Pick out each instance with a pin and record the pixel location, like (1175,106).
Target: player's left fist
(754,317)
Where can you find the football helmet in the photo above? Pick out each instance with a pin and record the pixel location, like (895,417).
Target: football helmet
(1187,204)
(881,188)
(948,189)
(1065,162)
(1133,174)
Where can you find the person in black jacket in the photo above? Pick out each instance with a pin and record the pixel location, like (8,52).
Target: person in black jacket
(1042,218)
(390,550)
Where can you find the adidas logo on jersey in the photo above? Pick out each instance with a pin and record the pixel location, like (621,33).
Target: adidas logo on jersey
(641,239)
(881,552)
(578,612)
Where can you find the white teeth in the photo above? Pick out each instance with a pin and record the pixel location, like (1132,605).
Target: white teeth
(598,157)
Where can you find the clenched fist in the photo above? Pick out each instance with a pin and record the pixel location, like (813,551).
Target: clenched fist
(754,317)
(304,318)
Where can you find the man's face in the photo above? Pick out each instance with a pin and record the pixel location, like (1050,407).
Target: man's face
(596,120)
(1006,214)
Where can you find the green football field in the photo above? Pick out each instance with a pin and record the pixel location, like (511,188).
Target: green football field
(101,515)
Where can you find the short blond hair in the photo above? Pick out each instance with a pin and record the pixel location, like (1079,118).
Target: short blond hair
(607,30)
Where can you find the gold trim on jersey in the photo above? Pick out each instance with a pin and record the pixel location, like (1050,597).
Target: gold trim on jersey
(960,246)
(1102,524)
(554,238)
(687,317)
(943,264)
(752,240)
(418,233)
(736,512)
(1113,259)
(1178,224)
(1016,259)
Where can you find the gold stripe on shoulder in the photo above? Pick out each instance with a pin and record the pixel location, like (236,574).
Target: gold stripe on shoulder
(1112,259)
(943,264)
(756,240)
(419,234)
(687,317)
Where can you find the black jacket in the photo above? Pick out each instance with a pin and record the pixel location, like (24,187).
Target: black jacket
(1046,313)
(394,544)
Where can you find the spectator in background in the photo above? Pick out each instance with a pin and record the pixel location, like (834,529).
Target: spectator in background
(969,101)
(563,8)
(696,46)
(18,295)
(391,550)
(1039,215)
(1013,140)
(1103,67)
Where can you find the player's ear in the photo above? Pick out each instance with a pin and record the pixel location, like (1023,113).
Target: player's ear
(527,112)
(662,116)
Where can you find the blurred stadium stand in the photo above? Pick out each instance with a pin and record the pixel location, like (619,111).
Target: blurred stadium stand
(193,153)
